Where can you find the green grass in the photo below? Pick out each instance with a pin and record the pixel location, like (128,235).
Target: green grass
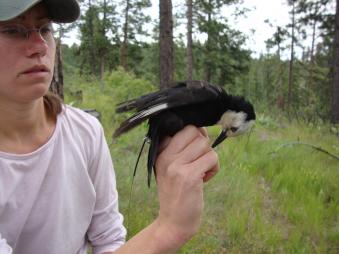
(261,201)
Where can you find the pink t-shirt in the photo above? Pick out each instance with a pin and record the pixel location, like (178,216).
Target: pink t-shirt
(62,197)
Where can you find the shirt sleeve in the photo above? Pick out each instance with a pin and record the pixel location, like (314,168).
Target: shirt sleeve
(4,247)
(106,231)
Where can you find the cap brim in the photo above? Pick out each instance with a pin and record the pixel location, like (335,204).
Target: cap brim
(12,9)
(61,11)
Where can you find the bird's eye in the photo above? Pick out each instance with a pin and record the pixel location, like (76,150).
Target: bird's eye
(233,129)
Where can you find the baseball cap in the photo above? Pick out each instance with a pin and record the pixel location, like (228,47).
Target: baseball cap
(63,11)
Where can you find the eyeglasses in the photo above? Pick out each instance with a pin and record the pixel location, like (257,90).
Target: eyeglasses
(20,33)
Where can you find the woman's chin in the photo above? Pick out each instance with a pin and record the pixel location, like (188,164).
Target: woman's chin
(34,93)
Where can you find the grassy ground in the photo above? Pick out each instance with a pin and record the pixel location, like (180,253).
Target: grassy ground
(265,199)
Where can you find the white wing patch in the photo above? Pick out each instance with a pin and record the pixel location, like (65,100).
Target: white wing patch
(150,111)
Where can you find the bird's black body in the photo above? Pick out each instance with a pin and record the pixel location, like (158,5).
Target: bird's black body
(171,109)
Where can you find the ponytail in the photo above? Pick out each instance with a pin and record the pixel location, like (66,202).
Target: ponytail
(53,104)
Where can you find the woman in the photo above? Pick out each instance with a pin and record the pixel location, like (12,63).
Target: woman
(57,183)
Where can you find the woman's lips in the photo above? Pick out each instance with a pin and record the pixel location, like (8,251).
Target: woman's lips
(36,70)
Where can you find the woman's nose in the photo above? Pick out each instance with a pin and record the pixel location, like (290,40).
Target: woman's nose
(36,44)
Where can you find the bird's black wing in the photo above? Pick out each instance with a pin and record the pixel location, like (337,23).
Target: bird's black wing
(151,104)
(178,95)
(142,101)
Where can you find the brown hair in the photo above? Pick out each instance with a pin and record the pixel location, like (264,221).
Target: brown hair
(53,104)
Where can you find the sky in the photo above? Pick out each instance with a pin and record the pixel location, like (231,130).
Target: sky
(276,11)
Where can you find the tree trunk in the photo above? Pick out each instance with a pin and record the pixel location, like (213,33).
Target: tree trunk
(189,40)
(335,93)
(279,51)
(314,28)
(166,43)
(57,85)
(310,85)
(123,49)
(91,39)
(290,73)
(103,51)
(208,71)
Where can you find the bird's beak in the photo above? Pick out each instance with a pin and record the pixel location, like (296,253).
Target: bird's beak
(222,136)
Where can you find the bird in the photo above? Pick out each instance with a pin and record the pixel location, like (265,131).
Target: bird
(194,102)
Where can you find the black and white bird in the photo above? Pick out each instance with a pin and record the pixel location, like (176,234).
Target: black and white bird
(187,103)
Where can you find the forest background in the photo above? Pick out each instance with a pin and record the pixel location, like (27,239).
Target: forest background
(280,191)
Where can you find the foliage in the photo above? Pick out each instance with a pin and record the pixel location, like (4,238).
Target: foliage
(133,26)
(117,86)
(259,202)
(268,86)
(263,204)
(136,18)
(220,58)
(285,202)
(223,58)
(94,41)
(126,86)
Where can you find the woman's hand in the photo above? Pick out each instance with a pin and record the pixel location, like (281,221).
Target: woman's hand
(184,163)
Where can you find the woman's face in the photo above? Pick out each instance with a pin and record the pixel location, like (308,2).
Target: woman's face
(26,64)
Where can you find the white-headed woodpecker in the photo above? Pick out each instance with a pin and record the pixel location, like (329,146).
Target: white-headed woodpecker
(187,103)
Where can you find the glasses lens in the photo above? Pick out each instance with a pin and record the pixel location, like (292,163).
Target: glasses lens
(14,32)
(19,33)
(46,31)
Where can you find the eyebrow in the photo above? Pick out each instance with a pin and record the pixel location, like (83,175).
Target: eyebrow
(22,17)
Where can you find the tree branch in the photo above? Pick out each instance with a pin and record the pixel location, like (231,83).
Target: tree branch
(308,145)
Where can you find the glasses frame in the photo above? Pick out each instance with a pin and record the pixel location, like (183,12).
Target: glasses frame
(18,32)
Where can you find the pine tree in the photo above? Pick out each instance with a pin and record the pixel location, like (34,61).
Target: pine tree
(189,52)
(96,22)
(223,57)
(134,21)
(166,43)
(335,92)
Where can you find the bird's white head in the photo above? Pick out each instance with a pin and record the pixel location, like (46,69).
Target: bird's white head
(235,123)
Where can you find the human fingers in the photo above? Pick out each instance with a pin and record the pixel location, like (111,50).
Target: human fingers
(203,131)
(198,147)
(166,140)
(183,138)
(188,145)
(164,143)
(211,173)
(206,165)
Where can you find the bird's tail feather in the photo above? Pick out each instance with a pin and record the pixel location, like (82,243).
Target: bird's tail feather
(141,103)
(140,152)
(138,118)
(126,126)
(152,153)
(125,106)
